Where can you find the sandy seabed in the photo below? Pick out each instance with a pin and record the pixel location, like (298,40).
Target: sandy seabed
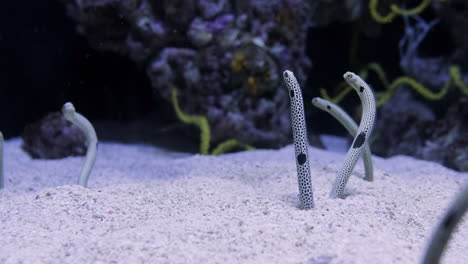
(148,205)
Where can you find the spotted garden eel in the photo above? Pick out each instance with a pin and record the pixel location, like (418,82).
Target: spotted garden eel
(365,127)
(1,161)
(339,114)
(68,111)
(301,145)
(445,227)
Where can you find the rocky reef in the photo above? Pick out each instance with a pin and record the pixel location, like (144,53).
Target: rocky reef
(432,50)
(444,140)
(431,129)
(53,137)
(225,57)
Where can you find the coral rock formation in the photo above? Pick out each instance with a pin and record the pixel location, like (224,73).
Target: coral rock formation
(53,137)
(223,56)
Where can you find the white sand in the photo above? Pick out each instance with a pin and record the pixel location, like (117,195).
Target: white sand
(145,205)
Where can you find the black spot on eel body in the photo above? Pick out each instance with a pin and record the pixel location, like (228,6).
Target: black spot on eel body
(291,93)
(301,159)
(448,221)
(328,107)
(359,140)
(361,89)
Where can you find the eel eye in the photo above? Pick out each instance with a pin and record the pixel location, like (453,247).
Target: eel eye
(349,76)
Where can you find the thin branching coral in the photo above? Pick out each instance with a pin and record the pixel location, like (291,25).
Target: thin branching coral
(202,123)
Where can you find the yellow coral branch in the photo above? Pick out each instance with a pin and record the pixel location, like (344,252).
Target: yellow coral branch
(428,94)
(202,123)
(395,10)
(456,76)
(402,12)
(342,87)
(197,120)
(384,96)
(229,145)
(375,67)
(377,16)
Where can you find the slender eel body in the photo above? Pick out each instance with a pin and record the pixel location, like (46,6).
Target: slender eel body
(68,111)
(365,128)
(301,145)
(1,161)
(339,114)
(445,227)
